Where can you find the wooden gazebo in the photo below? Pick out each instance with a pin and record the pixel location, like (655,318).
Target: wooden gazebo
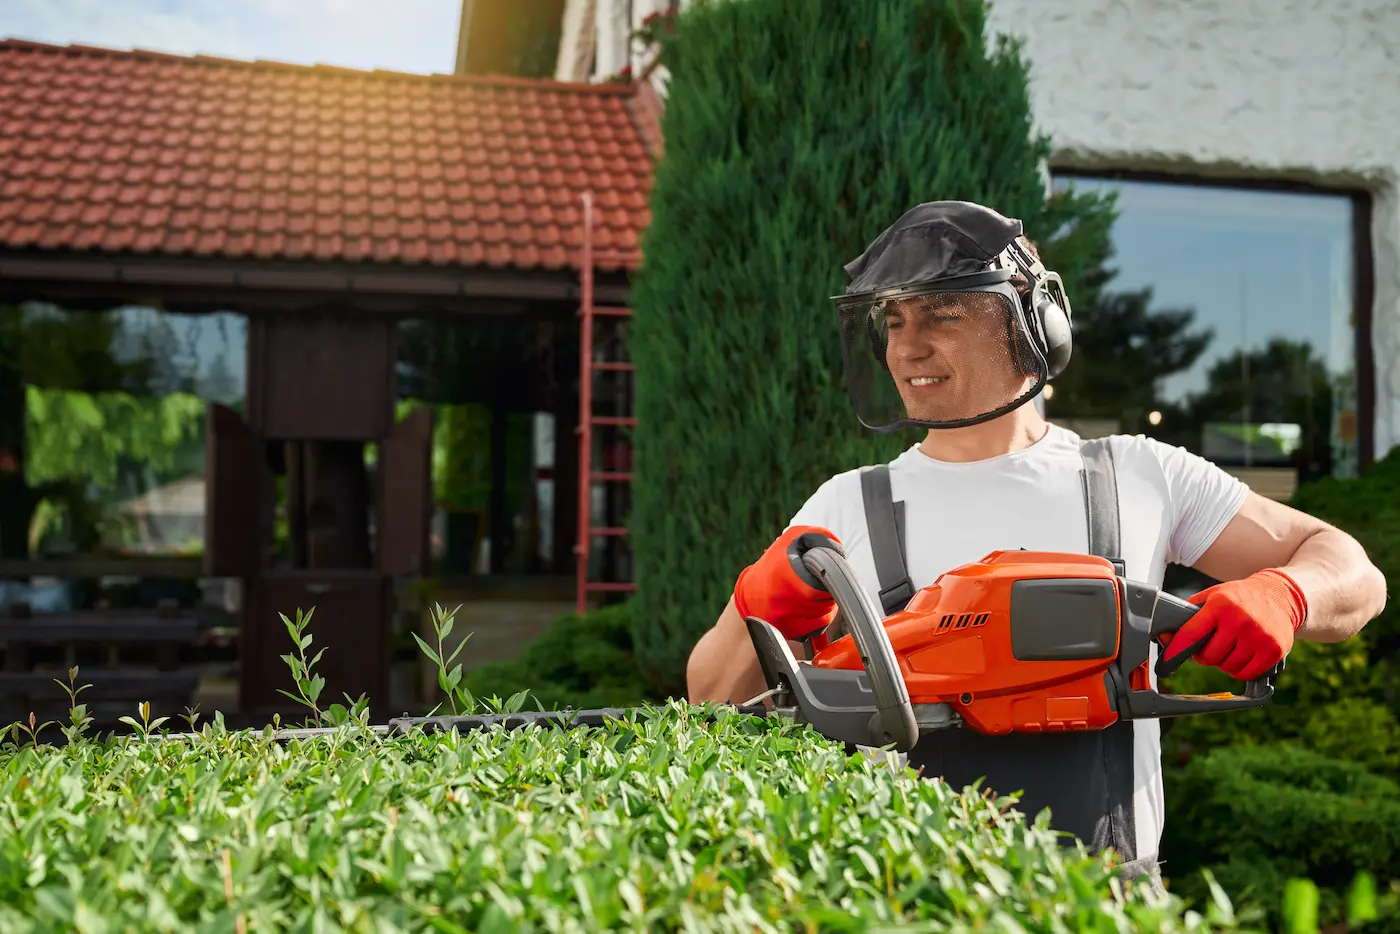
(327,206)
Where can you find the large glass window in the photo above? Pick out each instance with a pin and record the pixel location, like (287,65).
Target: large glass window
(102,418)
(1226,326)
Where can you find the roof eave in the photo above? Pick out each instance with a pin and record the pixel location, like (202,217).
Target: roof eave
(249,283)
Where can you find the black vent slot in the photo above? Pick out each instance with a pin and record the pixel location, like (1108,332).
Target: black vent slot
(963,620)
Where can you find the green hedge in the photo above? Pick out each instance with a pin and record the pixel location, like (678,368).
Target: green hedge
(1258,817)
(795,133)
(668,822)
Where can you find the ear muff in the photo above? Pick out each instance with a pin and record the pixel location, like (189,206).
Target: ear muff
(1048,330)
(1056,335)
(1046,318)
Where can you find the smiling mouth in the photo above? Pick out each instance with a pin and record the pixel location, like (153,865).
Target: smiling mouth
(919,381)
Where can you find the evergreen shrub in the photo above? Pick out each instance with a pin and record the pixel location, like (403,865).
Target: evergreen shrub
(795,133)
(580,662)
(1256,817)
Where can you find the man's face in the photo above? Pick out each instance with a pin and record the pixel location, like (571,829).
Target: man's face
(950,355)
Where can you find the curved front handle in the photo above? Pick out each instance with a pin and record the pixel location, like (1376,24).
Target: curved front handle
(865,623)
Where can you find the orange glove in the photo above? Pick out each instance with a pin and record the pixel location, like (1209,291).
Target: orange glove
(779,590)
(1243,627)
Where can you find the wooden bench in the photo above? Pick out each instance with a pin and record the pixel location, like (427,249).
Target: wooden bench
(38,650)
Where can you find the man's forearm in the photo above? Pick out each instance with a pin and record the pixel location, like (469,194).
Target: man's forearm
(723,666)
(1344,590)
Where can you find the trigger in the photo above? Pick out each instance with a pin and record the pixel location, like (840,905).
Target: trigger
(1165,666)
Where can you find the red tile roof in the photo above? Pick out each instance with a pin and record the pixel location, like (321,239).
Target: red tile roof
(145,153)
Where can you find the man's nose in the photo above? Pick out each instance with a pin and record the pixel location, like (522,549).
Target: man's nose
(912,343)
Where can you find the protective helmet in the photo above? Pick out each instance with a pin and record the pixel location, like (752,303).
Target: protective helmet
(934,333)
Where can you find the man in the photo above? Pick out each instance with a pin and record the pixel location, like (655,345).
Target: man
(951,323)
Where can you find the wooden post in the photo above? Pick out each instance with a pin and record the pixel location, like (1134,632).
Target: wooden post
(500,505)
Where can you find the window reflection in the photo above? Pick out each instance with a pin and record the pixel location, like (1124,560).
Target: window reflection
(1226,327)
(102,428)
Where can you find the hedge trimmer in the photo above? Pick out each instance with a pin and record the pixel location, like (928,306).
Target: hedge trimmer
(1020,641)
(1029,642)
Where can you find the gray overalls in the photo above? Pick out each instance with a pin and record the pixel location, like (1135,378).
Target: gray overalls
(1085,778)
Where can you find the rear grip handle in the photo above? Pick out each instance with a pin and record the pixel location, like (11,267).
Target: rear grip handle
(1169,615)
(896,713)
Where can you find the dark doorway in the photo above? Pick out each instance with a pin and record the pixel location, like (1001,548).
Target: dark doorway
(502,390)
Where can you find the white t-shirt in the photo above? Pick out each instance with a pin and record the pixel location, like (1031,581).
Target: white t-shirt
(1172,505)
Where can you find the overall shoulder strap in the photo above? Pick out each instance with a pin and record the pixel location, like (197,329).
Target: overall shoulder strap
(1101,500)
(884,520)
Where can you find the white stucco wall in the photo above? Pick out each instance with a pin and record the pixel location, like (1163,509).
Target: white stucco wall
(1307,90)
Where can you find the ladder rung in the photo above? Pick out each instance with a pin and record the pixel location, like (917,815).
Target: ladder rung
(606,476)
(611,311)
(614,367)
(611,531)
(613,421)
(610,586)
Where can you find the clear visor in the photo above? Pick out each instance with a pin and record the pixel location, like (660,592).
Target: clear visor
(939,359)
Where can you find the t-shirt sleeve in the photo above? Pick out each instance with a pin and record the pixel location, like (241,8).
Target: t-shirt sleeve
(820,509)
(1203,497)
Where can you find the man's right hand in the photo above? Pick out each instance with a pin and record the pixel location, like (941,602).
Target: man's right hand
(779,590)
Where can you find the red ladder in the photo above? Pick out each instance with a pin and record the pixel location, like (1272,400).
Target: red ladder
(588,420)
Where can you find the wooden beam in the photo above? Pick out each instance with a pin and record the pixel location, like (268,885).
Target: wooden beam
(612,38)
(80,568)
(375,289)
(93,627)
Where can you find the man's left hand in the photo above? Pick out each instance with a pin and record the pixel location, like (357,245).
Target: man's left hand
(1243,627)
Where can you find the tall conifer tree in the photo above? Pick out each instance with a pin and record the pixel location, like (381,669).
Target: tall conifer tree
(794,133)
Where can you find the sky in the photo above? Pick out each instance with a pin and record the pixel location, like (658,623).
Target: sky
(400,35)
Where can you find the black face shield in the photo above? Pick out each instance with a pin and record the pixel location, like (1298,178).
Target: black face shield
(934,334)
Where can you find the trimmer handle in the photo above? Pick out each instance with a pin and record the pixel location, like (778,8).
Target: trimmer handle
(1169,615)
(829,566)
